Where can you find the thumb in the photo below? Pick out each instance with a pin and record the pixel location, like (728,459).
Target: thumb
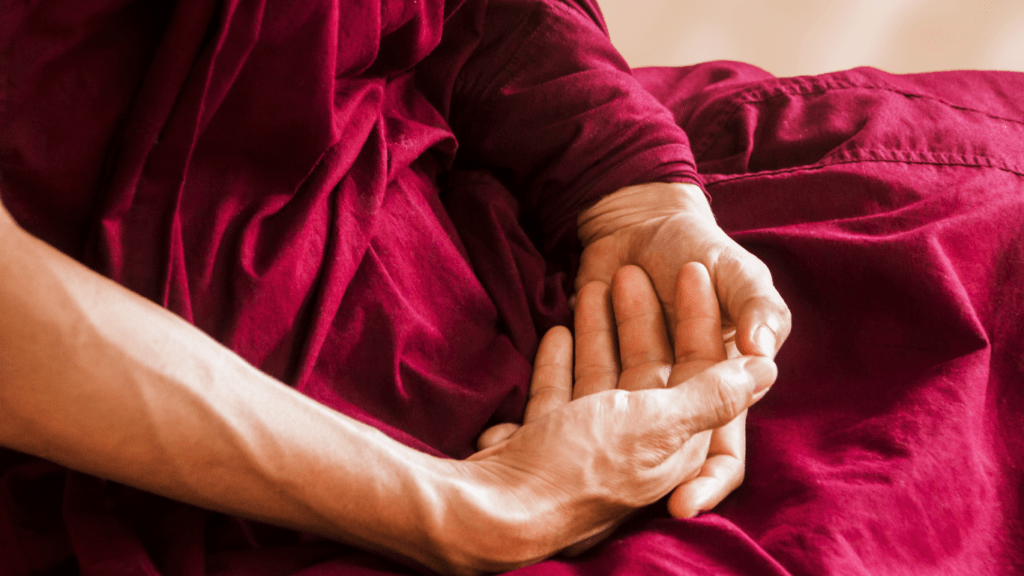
(720,394)
(748,296)
(496,435)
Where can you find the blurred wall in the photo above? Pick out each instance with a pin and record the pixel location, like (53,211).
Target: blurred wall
(793,37)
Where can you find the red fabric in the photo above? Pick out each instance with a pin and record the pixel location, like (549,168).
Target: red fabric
(376,203)
(269,172)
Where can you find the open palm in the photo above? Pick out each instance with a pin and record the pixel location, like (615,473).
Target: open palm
(621,342)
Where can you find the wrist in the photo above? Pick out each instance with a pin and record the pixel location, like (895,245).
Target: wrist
(486,527)
(449,516)
(640,204)
(500,518)
(401,506)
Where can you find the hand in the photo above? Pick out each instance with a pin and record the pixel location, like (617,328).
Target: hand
(661,227)
(576,468)
(629,313)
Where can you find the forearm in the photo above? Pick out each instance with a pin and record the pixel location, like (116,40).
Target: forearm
(560,132)
(101,380)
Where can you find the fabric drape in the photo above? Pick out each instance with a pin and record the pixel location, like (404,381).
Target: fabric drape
(376,202)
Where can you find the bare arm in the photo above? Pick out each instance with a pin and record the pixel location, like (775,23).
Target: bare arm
(101,380)
(97,378)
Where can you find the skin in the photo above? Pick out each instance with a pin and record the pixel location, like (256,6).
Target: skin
(662,227)
(101,380)
(622,343)
(628,359)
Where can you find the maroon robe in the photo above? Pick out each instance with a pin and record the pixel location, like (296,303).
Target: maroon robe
(376,203)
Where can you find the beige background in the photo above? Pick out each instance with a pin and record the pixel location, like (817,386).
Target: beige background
(792,37)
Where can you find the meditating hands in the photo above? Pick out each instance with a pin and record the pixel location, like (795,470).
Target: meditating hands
(171,411)
(667,229)
(629,422)
(660,227)
(649,360)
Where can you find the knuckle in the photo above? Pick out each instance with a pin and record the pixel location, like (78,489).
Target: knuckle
(616,406)
(730,400)
(592,289)
(739,476)
(744,266)
(593,383)
(596,372)
(787,319)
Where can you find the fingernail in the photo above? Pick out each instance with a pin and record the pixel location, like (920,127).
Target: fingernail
(763,371)
(703,505)
(765,340)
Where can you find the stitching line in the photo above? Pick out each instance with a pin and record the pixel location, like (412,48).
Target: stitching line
(857,158)
(806,85)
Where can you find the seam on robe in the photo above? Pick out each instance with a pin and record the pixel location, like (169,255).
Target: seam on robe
(808,85)
(805,85)
(879,155)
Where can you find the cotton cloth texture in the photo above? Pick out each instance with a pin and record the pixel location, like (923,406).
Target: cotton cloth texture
(376,201)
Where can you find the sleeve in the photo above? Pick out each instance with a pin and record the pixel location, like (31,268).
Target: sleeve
(546,103)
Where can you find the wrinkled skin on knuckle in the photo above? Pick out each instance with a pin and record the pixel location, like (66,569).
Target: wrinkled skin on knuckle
(590,289)
(652,440)
(739,474)
(666,466)
(653,449)
(734,267)
(593,374)
(739,268)
(629,445)
(651,375)
(781,310)
(731,399)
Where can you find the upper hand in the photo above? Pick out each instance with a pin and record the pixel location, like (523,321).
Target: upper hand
(661,227)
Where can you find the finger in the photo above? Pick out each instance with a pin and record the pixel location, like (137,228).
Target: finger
(698,341)
(717,395)
(496,434)
(719,476)
(643,338)
(729,338)
(598,262)
(763,325)
(597,348)
(551,383)
(745,289)
(731,439)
